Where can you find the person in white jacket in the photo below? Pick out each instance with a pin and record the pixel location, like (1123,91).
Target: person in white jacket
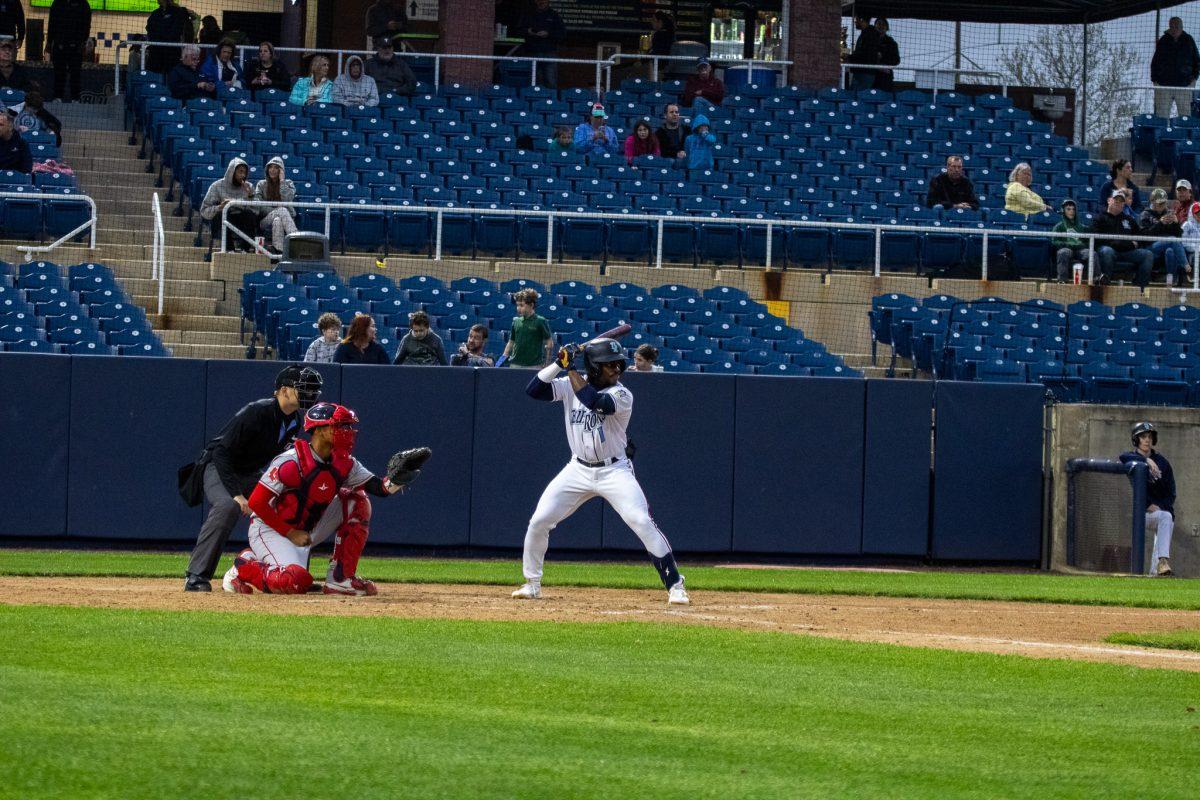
(355,88)
(278,221)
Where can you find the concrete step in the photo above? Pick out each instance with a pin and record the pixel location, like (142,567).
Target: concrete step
(209,351)
(128,236)
(173,288)
(213,323)
(192,337)
(178,305)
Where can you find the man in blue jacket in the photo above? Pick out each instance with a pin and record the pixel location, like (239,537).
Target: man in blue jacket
(595,136)
(1160,494)
(14,151)
(1176,63)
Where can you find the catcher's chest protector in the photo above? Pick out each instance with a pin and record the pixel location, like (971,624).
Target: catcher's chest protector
(311,486)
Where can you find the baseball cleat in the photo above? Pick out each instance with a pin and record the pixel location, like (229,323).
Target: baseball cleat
(1164,566)
(235,585)
(195,583)
(353,586)
(530,591)
(677,595)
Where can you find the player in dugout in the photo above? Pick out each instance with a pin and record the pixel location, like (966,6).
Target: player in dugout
(1160,494)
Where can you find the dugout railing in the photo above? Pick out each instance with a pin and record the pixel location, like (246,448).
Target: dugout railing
(1096,533)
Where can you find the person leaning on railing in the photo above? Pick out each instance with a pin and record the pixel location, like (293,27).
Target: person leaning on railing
(1018,197)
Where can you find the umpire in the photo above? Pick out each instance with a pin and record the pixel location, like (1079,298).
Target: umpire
(235,459)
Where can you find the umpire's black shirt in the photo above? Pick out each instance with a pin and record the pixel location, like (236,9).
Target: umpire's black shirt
(249,441)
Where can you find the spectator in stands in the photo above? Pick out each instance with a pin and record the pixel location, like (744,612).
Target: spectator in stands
(645,359)
(1160,494)
(387,18)
(672,134)
(563,140)
(265,72)
(951,188)
(14,152)
(1176,63)
(470,353)
(642,142)
(866,51)
(1191,232)
(316,87)
(543,31)
(233,186)
(889,53)
(1114,253)
(699,145)
(67,32)
(1128,201)
(322,348)
(421,346)
(33,116)
(1018,197)
(1183,199)
(1160,220)
(221,69)
(1068,250)
(353,88)
(1122,178)
(12,20)
(530,334)
(278,221)
(595,136)
(169,23)
(663,37)
(184,81)
(210,31)
(12,74)
(391,74)
(703,89)
(359,346)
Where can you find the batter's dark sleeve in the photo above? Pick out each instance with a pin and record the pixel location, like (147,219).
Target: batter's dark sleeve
(539,389)
(596,401)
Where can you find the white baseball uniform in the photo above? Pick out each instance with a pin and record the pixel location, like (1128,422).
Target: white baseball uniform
(598,467)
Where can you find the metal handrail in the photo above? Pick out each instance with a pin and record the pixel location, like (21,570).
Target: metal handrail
(158,253)
(721,62)
(30,249)
(937,71)
(660,219)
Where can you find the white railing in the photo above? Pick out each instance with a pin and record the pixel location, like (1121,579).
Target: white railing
(1144,95)
(660,220)
(935,73)
(752,63)
(158,252)
(87,225)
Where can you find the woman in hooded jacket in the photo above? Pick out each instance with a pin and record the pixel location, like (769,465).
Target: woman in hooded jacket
(275,187)
(355,88)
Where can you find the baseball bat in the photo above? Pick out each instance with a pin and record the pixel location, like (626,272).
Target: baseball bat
(617,332)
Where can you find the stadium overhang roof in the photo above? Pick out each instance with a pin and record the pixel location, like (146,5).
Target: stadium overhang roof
(1034,12)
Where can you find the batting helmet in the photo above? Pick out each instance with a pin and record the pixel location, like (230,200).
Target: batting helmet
(305,380)
(341,419)
(602,351)
(1144,427)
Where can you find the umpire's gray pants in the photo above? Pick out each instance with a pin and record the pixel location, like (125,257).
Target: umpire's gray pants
(214,533)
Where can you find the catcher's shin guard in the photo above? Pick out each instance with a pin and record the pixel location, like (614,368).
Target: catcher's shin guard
(667,570)
(292,579)
(351,536)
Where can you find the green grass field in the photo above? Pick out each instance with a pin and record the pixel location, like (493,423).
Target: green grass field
(136,704)
(1171,640)
(1027,587)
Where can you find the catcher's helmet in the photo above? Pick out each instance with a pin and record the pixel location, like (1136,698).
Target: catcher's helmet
(305,380)
(602,351)
(1144,427)
(343,421)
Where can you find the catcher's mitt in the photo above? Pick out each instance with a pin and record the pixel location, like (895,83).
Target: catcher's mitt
(404,467)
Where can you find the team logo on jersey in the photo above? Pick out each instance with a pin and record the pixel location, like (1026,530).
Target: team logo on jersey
(590,420)
(273,475)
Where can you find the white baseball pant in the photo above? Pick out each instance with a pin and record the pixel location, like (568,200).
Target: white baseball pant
(276,550)
(1163,525)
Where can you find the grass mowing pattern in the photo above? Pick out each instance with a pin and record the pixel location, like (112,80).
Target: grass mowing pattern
(132,704)
(1036,588)
(1169,640)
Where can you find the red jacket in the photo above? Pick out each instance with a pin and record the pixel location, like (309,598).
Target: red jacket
(711,89)
(635,147)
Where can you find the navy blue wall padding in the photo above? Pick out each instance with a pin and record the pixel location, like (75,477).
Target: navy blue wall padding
(233,384)
(136,421)
(684,460)
(405,407)
(798,465)
(896,471)
(988,457)
(520,444)
(35,423)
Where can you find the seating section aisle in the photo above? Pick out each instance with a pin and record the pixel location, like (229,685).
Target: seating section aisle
(1171,145)
(86,313)
(720,330)
(1085,352)
(782,153)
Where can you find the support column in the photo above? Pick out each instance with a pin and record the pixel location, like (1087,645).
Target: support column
(814,42)
(467,26)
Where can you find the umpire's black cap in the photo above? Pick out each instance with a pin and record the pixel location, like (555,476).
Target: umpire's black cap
(305,380)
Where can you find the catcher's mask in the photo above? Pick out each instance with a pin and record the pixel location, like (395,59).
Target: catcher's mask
(1144,427)
(602,351)
(305,380)
(342,420)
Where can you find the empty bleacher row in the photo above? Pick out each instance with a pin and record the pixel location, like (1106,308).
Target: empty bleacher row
(1171,145)
(782,153)
(84,311)
(1084,352)
(720,330)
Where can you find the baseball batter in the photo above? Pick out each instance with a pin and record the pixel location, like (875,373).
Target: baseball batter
(596,412)
(310,492)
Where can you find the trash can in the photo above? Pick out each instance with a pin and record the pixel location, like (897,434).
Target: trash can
(737,77)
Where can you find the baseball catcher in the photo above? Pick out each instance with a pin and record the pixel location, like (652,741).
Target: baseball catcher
(312,491)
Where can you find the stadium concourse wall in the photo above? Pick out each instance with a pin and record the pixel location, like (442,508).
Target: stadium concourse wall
(731,464)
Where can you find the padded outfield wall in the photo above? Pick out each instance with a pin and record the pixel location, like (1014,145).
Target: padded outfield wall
(748,465)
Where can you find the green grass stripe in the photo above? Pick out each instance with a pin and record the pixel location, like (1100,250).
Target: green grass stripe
(1027,587)
(1169,640)
(139,704)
